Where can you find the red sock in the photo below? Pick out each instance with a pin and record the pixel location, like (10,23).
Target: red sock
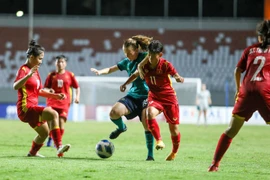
(154,128)
(35,148)
(62,132)
(175,142)
(222,146)
(57,138)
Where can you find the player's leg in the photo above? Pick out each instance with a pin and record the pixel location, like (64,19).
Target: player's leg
(205,116)
(52,116)
(43,132)
(171,114)
(225,141)
(148,137)
(118,110)
(199,115)
(151,113)
(175,138)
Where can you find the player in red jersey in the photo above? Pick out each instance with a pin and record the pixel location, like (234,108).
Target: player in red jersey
(61,81)
(161,97)
(254,92)
(28,84)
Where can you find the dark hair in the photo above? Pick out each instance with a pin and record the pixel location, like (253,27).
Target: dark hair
(155,46)
(138,42)
(263,30)
(34,49)
(61,57)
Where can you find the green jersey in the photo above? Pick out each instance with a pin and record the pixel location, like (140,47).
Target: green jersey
(139,88)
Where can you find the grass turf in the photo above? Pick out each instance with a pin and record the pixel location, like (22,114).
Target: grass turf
(247,158)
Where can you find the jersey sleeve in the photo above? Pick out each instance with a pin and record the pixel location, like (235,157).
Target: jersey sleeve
(74,82)
(22,72)
(122,65)
(242,63)
(48,82)
(170,69)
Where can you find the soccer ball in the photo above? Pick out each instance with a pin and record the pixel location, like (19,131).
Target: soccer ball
(104,148)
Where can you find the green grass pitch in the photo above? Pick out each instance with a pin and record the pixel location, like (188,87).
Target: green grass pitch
(247,158)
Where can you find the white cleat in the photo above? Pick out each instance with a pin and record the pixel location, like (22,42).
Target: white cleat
(62,149)
(37,155)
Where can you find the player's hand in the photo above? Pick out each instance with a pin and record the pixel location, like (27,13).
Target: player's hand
(123,88)
(61,96)
(76,100)
(95,71)
(141,73)
(33,70)
(181,79)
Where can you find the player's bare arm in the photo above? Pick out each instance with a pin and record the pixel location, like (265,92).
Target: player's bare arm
(49,90)
(20,83)
(77,95)
(105,70)
(237,78)
(178,78)
(132,78)
(47,94)
(140,66)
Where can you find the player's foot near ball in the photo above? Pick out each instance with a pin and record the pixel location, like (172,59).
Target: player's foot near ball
(171,156)
(62,149)
(117,132)
(213,168)
(160,145)
(150,158)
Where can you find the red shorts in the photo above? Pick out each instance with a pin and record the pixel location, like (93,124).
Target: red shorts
(171,112)
(33,116)
(248,103)
(62,112)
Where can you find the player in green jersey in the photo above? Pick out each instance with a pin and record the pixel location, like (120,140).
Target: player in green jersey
(135,102)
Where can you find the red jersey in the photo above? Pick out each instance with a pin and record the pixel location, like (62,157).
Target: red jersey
(61,83)
(256,62)
(28,94)
(159,81)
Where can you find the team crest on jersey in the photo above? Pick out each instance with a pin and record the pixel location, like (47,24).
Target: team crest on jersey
(159,71)
(146,71)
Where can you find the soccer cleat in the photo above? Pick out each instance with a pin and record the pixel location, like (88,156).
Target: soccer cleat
(171,156)
(62,149)
(150,158)
(160,145)
(36,155)
(49,142)
(116,133)
(213,168)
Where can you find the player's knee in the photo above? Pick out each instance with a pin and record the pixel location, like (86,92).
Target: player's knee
(114,114)
(151,114)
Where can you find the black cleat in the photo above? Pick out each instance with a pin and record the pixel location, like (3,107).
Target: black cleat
(116,133)
(150,158)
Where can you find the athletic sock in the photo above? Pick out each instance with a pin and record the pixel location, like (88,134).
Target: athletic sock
(119,123)
(222,146)
(149,143)
(35,148)
(56,136)
(154,128)
(176,142)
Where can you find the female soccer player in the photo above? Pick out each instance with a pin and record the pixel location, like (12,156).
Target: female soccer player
(61,81)
(134,103)
(28,84)
(254,92)
(162,97)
